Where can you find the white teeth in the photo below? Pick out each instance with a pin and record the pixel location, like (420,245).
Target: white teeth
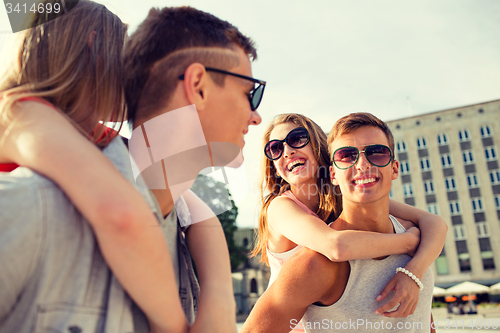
(294,163)
(364,181)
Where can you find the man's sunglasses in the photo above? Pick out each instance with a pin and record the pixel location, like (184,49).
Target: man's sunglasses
(296,138)
(378,155)
(254,96)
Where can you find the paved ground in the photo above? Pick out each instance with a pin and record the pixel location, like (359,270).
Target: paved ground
(460,324)
(468,324)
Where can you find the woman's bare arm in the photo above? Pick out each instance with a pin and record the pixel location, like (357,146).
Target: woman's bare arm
(286,218)
(127,232)
(433,231)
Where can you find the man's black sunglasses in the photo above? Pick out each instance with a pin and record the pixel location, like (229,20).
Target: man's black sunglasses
(255,95)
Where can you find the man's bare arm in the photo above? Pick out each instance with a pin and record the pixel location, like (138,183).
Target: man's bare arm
(298,285)
(207,244)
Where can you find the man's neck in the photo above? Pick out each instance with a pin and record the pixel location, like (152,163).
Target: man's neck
(176,140)
(367,217)
(165,201)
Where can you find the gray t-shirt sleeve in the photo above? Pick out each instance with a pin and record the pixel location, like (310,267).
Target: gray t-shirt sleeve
(20,240)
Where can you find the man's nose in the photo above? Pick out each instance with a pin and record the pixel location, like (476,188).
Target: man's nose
(362,163)
(255,118)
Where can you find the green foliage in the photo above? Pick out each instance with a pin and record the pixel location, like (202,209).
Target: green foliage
(216,195)
(439,305)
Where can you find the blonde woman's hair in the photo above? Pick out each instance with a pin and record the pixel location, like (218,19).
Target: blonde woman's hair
(75,62)
(272,186)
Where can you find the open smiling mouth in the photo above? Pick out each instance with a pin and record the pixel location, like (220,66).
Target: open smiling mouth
(365,181)
(295,164)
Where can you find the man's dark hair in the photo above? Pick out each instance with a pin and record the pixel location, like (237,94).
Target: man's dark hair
(166,43)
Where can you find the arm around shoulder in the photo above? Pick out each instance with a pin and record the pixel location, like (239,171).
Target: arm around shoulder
(287,218)
(137,253)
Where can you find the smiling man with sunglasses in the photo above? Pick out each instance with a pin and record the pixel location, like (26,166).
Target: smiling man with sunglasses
(343,296)
(191,98)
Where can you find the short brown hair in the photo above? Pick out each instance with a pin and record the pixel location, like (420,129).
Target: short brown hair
(166,43)
(353,121)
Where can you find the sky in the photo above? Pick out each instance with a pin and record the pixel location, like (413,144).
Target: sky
(325,59)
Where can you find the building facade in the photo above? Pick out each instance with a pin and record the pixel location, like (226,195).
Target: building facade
(250,280)
(449,166)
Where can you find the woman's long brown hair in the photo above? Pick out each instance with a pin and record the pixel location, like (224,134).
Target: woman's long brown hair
(330,200)
(75,62)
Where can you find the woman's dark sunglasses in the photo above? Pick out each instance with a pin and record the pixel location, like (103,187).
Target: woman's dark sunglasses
(378,155)
(254,96)
(296,138)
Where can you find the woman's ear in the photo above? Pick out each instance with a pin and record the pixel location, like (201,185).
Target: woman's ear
(195,85)
(90,41)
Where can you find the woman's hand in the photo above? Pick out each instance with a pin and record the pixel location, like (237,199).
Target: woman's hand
(406,294)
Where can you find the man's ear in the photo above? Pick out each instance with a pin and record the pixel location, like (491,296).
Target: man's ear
(332,176)
(395,169)
(195,85)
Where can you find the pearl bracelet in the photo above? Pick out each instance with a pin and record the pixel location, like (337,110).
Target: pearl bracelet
(412,276)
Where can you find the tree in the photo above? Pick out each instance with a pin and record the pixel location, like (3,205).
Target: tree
(217,196)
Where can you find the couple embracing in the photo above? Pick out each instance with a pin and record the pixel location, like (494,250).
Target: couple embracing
(336,243)
(84,248)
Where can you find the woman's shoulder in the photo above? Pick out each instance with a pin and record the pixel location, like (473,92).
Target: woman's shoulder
(283,205)
(37,100)
(281,202)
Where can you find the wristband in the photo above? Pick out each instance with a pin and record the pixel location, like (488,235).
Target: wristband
(412,276)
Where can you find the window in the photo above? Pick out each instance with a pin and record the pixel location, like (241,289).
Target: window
(490,153)
(488,263)
(495,177)
(459,232)
(485,131)
(425,164)
(433,208)
(463,255)
(442,265)
(482,229)
(407,190)
(445,160)
(472,180)
(421,143)
(401,146)
(464,262)
(450,183)
(484,246)
(405,167)
(468,157)
(429,187)
(454,207)
(253,286)
(463,135)
(442,139)
(497,201)
(477,205)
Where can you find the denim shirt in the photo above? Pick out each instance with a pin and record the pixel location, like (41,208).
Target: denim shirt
(53,277)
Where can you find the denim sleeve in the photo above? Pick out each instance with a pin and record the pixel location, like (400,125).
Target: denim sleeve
(20,240)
